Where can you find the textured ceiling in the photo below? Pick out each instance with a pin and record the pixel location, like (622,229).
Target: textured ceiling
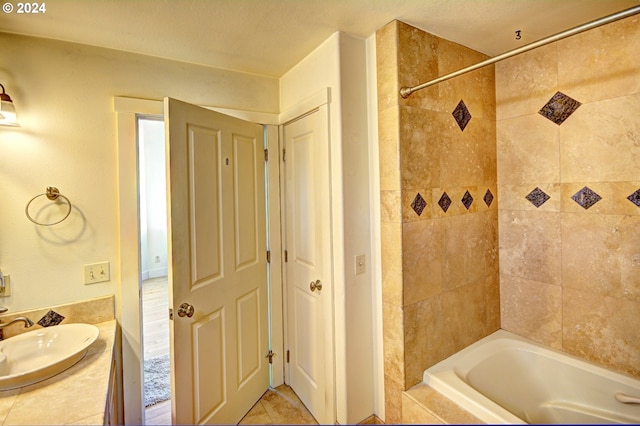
(268,37)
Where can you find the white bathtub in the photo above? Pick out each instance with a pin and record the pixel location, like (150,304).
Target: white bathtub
(505,378)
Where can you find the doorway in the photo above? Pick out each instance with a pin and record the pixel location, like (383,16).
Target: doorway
(128,112)
(154,268)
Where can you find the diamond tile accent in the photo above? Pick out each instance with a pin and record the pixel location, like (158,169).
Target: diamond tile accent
(635,198)
(50,319)
(537,197)
(462,115)
(444,202)
(559,108)
(586,197)
(488,198)
(467,200)
(418,204)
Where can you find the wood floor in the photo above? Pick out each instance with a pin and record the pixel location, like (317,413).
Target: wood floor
(277,406)
(155,328)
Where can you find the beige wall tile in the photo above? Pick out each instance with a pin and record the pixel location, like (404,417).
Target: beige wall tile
(456,195)
(393,342)
(482,205)
(514,197)
(417,63)
(440,406)
(530,156)
(488,152)
(461,320)
(419,318)
(476,89)
(461,153)
(464,245)
(391,243)
(601,63)
(415,414)
(392,401)
(602,329)
(524,83)
(532,309)
(420,147)
(601,254)
(530,245)
(387,65)
(600,141)
(390,207)
(409,214)
(614,198)
(389,145)
(422,260)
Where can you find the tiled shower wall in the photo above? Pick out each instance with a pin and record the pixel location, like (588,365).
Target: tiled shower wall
(569,194)
(439,213)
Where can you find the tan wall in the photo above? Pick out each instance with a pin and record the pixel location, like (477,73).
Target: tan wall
(440,269)
(570,276)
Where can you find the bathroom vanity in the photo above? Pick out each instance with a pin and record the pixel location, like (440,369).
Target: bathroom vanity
(86,393)
(83,394)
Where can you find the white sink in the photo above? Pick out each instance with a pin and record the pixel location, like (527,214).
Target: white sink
(39,354)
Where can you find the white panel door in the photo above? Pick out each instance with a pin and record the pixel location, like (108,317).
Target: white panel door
(307,242)
(218,270)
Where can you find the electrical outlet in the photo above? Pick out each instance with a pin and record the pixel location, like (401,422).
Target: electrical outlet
(361,266)
(6,292)
(96,273)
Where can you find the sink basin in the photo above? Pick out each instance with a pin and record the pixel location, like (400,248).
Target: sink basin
(39,354)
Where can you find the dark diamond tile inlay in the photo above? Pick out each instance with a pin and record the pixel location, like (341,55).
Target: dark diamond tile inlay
(488,198)
(444,202)
(462,115)
(51,318)
(559,108)
(467,200)
(586,197)
(537,197)
(418,204)
(635,198)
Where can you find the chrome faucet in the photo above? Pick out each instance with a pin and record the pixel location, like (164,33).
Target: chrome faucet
(27,322)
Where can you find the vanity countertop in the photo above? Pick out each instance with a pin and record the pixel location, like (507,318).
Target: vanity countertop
(75,396)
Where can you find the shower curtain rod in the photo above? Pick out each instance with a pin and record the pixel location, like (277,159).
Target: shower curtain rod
(405,92)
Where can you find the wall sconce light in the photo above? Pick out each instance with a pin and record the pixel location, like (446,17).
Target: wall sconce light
(7,110)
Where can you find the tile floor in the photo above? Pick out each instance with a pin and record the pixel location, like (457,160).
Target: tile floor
(279,406)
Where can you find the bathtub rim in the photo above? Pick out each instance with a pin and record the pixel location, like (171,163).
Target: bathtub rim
(450,381)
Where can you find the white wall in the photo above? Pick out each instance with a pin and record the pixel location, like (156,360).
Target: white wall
(340,64)
(153,199)
(63,93)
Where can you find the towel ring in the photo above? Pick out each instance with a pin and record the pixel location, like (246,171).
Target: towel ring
(53,194)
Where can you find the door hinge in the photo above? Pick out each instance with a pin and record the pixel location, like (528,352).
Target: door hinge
(284,154)
(287,355)
(266,155)
(268,256)
(170,314)
(286,256)
(270,355)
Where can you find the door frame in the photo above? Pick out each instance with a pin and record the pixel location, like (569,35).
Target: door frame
(129,292)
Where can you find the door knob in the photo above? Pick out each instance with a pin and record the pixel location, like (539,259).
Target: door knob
(186,310)
(315,285)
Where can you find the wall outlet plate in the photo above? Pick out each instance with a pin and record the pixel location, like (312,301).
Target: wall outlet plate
(96,273)
(7,286)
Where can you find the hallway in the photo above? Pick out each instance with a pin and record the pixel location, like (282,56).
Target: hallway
(277,406)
